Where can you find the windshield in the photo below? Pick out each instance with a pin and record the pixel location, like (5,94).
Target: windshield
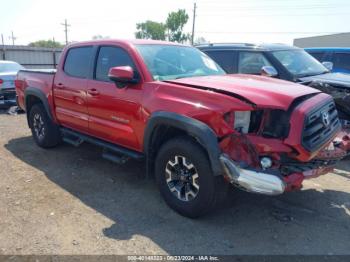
(299,63)
(167,62)
(10,67)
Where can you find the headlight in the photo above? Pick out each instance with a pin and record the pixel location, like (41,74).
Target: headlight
(242,121)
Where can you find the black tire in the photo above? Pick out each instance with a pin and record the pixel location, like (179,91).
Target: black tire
(212,189)
(49,134)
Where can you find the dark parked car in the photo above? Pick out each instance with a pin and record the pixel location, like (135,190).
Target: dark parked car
(285,62)
(8,72)
(340,57)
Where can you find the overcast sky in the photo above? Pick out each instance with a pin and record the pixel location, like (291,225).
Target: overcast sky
(217,20)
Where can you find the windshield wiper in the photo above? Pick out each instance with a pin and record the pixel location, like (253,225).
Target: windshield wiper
(188,76)
(312,74)
(325,72)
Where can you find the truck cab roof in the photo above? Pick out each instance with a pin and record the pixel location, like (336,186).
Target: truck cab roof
(123,42)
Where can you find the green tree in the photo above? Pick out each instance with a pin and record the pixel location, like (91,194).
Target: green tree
(150,30)
(200,40)
(175,24)
(46,43)
(96,37)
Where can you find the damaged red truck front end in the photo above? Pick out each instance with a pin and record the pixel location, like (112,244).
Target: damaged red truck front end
(283,139)
(278,157)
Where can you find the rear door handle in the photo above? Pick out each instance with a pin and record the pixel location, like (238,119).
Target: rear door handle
(93,92)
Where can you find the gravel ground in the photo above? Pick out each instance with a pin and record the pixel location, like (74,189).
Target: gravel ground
(71,201)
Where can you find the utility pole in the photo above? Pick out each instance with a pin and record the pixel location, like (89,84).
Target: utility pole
(65,24)
(13,38)
(194,22)
(3,47)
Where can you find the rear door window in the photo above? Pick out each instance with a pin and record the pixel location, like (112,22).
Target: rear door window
(227,59)
(77,63)
(110,56)
(341,60)
(251,62)
(318,55)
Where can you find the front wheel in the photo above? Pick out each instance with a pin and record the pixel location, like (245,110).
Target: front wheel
(46,134)
(185,178)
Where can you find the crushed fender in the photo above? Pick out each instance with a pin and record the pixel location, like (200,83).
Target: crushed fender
(238,147)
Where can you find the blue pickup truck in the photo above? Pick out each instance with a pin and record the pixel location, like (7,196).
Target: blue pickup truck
(339,56)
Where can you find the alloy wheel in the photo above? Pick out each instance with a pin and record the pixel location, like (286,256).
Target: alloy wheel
(182,178)
(38,126)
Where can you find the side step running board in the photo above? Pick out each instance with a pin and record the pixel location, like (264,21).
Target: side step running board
(115,153)
(115,158)
(73,141)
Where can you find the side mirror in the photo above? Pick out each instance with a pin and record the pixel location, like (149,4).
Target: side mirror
(328,65)
(122,75)
(268,71)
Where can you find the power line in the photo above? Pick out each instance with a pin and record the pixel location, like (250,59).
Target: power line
(271,1)
(254,15)
(284,9)
(269,6)
(250,7)
(259,32)
(65,24)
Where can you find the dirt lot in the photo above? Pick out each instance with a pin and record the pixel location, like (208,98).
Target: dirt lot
(71,201)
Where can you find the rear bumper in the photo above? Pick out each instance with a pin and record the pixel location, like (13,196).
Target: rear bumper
(8,97)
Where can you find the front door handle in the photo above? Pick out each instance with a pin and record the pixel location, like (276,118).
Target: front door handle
(93,92)
(60,86)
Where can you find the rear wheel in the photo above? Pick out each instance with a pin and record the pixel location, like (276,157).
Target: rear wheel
(46,134)
(185,178)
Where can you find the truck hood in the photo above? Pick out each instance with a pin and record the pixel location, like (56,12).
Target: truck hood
(264,92)
(338,79)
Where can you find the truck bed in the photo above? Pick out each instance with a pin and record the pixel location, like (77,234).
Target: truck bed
(41,79)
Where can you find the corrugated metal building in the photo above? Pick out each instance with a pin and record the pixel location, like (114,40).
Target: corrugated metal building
(31,57)
(335,40)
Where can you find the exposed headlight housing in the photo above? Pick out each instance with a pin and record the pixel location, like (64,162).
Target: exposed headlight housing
(242,121)
(273,123)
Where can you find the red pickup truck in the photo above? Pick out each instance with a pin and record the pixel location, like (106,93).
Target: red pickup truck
(196,128)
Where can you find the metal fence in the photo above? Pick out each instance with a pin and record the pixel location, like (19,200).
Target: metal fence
(31,57)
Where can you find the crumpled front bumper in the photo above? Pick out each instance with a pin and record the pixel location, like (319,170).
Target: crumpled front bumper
(273,182)
(251,180)
(343,139)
